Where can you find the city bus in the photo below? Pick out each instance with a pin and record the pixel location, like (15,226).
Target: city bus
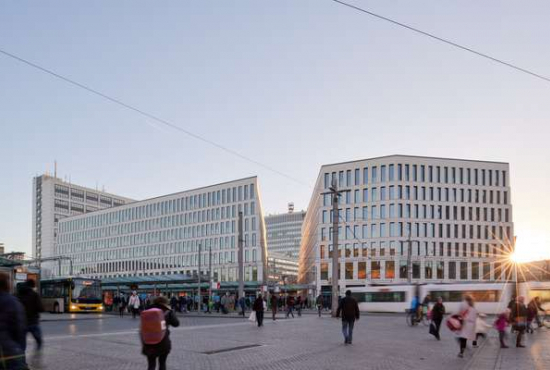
(71,295)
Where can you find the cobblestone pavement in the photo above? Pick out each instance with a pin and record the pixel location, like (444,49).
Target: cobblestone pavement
(380,342)
(536,355)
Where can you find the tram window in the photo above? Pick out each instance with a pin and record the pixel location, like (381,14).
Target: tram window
(478,295)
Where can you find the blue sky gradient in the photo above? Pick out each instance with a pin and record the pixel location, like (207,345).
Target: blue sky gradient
(292,84)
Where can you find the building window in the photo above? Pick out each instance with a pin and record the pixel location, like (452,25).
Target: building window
(463,270)
(403,270)
(375,269)
(390,270)
(362,270)
(349,270)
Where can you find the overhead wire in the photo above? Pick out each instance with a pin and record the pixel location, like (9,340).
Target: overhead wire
(446,41)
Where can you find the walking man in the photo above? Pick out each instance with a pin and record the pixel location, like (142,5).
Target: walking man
(274,303)
(258,307)
(319,303)
(12,328)
(289,306)
(350,312)
(438,311)
(33,306)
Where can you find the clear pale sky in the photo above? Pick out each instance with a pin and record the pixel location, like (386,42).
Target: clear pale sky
(293,84)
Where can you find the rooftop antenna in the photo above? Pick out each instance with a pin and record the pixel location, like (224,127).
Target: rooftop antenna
(55,169)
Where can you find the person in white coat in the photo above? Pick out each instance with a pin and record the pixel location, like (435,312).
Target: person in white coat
(469,317)
(134,304)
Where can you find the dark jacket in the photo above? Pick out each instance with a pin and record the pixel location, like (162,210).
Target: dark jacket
(438,311)
(165,346)
(32,304)
(12,325)
(349,308)
(519,314)
(258,305)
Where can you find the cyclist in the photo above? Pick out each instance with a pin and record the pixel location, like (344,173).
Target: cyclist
(415,307)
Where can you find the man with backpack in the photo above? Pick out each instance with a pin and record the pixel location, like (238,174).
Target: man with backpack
(155,335)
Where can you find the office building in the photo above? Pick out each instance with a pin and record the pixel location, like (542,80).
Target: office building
(164,235)
(284,232)
(2,248)
(282,269)
(55,199)
(408,218)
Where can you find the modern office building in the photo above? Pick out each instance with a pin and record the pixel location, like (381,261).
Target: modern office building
(284,232)
(55,199)
(164,235)
(282,269)
(408,218)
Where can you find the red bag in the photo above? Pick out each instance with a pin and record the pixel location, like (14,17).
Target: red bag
(153,326)
(454,323)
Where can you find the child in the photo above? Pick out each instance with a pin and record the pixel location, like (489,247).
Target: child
(481,328)
(501,324)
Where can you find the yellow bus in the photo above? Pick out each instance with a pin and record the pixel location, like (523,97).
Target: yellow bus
(71,295)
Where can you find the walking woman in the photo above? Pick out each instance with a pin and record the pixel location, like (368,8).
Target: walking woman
(438,311)
(468,330)
(258,307)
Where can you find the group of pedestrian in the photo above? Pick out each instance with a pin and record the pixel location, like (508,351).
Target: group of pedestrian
(470,325)
(18,316)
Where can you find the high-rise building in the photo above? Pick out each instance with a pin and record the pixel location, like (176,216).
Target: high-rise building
(163,235)
(409,218)
(284,232)
(2,248)
(55,199)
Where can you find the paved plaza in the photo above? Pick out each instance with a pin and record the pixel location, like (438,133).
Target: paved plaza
(380,342)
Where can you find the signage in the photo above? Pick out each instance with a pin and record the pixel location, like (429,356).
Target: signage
(20,276)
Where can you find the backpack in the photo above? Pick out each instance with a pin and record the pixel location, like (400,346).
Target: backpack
(454,323)
(153,326)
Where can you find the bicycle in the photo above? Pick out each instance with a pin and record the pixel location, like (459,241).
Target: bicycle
(413,319)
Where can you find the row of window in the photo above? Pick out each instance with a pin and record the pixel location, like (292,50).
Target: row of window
(129,217)
(392,248)
(447,296)
(419,211)
(438,270)
(79,195)
(419,230)
(420,193)
(168,228)
(148,240)
(416,173)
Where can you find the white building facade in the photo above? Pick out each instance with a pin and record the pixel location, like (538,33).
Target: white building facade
(55,199)
(284,233)
(410,218)
(163,236)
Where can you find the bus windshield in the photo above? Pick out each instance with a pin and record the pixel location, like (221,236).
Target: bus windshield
(86,292)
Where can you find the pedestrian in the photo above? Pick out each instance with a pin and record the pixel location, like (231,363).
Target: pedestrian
(299,306)
(274,303)
(33,306)
(258,307)
(482,328)
(12,328)
(224,302)
(242,305)
(319,303)
(533,309)
(349,309)
(468,313)
(173,302)
(134,304)
(500,324)
(519,320)
(163,345)
(438,311)
(121,305)
(289,306)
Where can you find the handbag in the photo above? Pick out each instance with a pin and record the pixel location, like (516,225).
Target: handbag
(252,317)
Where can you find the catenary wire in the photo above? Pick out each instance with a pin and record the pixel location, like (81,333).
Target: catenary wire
(150,116)
(446,41)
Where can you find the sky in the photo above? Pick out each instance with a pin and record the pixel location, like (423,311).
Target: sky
(292,84)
